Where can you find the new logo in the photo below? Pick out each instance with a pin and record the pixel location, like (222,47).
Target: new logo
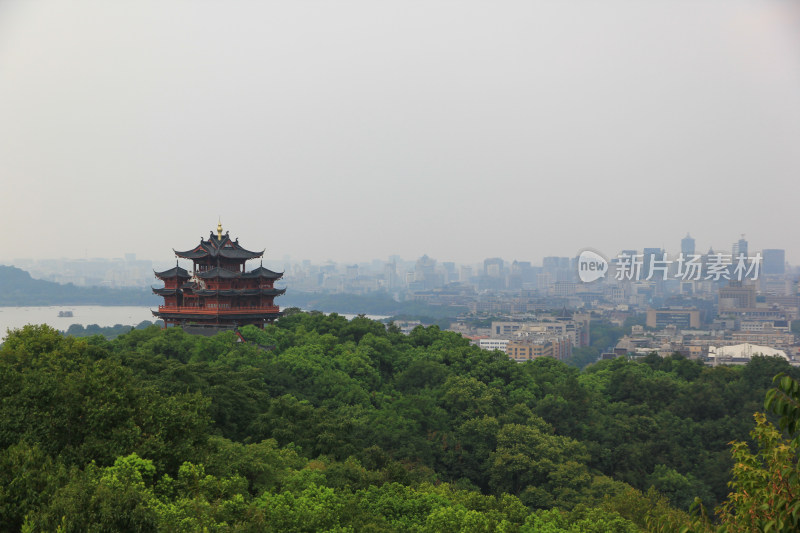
(591,266)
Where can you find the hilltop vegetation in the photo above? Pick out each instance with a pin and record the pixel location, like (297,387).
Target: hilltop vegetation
(18,288)
(109,332)
(349,425)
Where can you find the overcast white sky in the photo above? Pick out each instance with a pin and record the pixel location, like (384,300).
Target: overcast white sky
(354,130)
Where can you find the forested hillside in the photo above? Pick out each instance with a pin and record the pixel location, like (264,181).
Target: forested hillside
(18,288)
(352,426)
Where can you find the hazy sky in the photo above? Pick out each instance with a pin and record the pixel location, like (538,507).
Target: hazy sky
(354,130)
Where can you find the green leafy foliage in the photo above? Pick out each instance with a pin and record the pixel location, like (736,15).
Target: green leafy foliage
(765,489)
(318,423)
(109,332)
(784,401)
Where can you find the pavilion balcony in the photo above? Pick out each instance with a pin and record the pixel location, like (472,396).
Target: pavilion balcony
(218,310)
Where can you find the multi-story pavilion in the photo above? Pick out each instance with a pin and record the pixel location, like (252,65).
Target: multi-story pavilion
(219,292)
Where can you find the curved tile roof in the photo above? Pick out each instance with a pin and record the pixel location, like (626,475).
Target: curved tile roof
(262,272)
(174,272)
(165,292)
(219,247)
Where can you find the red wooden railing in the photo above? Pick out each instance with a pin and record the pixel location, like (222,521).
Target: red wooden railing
(218,310)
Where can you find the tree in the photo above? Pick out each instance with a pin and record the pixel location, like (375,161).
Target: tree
(28,479)
(784,401)
(765,492)
(78,403)
(544,470)
(116,498)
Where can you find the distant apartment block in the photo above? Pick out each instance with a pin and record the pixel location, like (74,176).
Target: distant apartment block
(790,304)
(774,261)
(493,344)
(505,328)
(783,326)
(774,339)
(525,350)
(575,327)
(736,295)
(563,289)
(681,318)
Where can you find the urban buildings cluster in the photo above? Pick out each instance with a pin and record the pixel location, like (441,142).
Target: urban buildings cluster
(545,309)
(122,272)
(714,307)
(527,338)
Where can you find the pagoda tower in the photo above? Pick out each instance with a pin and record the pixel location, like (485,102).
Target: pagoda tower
(219,293)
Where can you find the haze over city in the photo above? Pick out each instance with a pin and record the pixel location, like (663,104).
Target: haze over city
(356,130)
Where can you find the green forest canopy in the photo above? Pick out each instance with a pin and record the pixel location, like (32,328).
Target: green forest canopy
(350,425)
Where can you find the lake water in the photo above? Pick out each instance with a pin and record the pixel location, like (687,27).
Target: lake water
(85,315)
(16,317)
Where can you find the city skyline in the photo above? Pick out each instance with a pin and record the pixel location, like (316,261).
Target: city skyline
(133,271)
(537,259)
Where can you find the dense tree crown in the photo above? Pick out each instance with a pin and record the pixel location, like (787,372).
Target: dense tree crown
(353,426)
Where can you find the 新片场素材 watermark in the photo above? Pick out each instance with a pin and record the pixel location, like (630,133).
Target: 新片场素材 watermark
(687,267)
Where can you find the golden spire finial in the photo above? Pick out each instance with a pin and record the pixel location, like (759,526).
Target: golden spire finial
(219,229)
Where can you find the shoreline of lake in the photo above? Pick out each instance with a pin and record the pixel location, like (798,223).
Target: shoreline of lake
(86,315)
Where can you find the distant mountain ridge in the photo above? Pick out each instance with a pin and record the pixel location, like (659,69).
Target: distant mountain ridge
(18,288)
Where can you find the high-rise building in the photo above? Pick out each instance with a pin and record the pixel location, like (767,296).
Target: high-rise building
(687,245)
(449,272)
(425,273)
(774,261)
(523,272)
(493,267)
(739,248)
(651,254)
(559,268)
(465,274)
(390,275)
(553,264)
